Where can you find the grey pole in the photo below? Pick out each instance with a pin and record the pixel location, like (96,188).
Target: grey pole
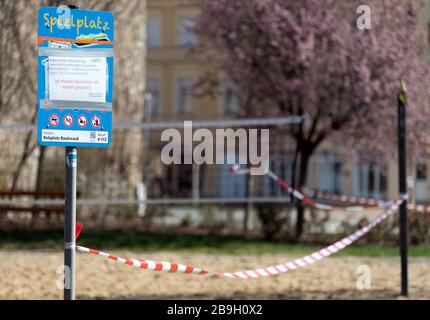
(70,219)
(403,219)
(70,223)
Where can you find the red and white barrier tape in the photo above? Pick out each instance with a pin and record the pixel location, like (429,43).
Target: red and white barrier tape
(147,264)
(419,208)
(368,202)
(345,198)
(255,273)
(362,202)
(297,194)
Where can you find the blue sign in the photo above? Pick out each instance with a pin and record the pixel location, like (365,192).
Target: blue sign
(75,77)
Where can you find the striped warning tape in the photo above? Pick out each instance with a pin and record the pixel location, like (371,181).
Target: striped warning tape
(297,194)
(344,198)
(362,202)
(255,273)
(419,207)
(148,264)
(368,202)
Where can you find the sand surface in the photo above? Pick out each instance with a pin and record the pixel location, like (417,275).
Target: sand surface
(33,275)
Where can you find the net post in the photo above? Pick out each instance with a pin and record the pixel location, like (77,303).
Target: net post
(403,218)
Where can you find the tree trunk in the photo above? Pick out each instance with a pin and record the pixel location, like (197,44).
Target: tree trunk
(39,175)
(303,170)
(28,150)
(26,153)
(2,8)
(39,183)
(294,172)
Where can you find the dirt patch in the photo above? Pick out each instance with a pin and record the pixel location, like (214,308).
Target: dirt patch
(33,275)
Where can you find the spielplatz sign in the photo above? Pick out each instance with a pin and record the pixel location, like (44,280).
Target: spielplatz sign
(74,98)
(75,77)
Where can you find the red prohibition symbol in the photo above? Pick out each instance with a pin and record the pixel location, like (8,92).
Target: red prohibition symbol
(68,120)
(54,120)
(82,121)
(96,122)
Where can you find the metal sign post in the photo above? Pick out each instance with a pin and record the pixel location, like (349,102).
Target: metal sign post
(75,93)
(70,223)
(403,220)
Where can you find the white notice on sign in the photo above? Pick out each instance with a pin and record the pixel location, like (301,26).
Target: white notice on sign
(77,79)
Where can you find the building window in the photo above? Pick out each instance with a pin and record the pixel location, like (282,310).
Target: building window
(230,99)
(329,172)
(184,96)
(230,185)
(421,187)
(153,32)
(153,87)
(178,180)
(428,32)
(372,181)
(428,26)
(337,172)
(421,171)
(186,37)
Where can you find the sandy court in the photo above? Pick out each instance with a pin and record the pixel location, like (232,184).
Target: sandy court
(33,275)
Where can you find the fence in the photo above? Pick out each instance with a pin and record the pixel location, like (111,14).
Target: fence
(130,181)
(181,182)
(130,177)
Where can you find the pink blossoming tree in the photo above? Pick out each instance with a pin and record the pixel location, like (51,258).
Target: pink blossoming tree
(309,58)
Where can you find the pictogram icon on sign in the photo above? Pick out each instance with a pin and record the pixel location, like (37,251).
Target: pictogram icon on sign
(68,120)
(54,120)
(96,122)
(82,121)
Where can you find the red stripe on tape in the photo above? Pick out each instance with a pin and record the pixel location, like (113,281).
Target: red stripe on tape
(158,266)
(173,267)
(129,262)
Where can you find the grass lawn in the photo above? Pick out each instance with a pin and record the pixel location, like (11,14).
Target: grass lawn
(136,241)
